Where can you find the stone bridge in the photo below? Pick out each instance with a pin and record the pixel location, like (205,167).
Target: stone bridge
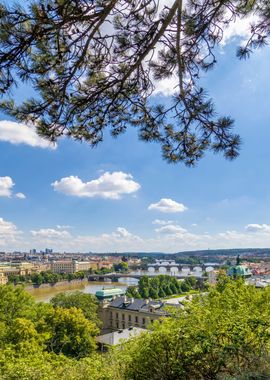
(114,277)
(171,266)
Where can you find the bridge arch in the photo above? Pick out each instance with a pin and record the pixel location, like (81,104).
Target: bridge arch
(162,269)
(209,269)
(174,270)
(151,269)
(185,270)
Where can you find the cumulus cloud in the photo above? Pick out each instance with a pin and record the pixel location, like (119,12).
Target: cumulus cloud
(161,222)
(20,195)
(265,228)
(167,205)
(171,229)
(6,185)
(8,232)
(18,133)
(7,228)
(50,233)
(168,238)
(240,28)
(108,185)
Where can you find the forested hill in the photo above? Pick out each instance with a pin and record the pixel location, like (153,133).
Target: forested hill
(198,253)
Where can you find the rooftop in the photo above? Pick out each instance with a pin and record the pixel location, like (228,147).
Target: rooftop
(116,337)
(111,292)
(137,304)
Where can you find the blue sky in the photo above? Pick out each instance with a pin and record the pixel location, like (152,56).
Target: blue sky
(218,204)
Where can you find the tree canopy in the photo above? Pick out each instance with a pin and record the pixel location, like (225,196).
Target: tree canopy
(219,335)
(94,65)
(86,302)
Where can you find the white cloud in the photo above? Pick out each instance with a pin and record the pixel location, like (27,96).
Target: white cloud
(7,228)
(167,205)
(168,238)
(20,195)
(265,228)
(6,185)
(18,133)
(161,222)
(108,185)
(63,227)
(50,233)
(239,28)
(8,232)
(171,229)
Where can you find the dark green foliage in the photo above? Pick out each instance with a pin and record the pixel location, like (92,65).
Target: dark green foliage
(185,286)
(132,292)
(121,267)
(87,80)
(164,285)
(52,278)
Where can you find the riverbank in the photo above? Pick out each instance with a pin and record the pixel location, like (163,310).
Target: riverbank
(56,284)
(44,294)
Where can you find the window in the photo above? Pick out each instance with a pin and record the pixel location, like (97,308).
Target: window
(116,315)
(143,321)
(136,319)
(123,317)
(117,325)
(111,314)
(123,326)
(129,318)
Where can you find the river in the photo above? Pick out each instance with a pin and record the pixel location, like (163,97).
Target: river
(45,294)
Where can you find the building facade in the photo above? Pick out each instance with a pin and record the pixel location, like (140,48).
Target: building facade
(123,312)
(72,266)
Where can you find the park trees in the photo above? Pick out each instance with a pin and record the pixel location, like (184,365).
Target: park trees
(86,302)
(70,333)
(94,65)
(30,326)
(222,335)
(163,285)
(216,336)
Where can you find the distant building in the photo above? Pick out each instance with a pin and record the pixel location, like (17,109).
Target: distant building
(72,266)
(21,268)
(123,312)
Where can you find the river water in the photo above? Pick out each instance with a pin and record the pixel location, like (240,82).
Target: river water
(45,294)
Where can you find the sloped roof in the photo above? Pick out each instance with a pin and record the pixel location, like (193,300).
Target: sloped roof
(117,337)
(137,304)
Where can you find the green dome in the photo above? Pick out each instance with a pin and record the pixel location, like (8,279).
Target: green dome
(239,270)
